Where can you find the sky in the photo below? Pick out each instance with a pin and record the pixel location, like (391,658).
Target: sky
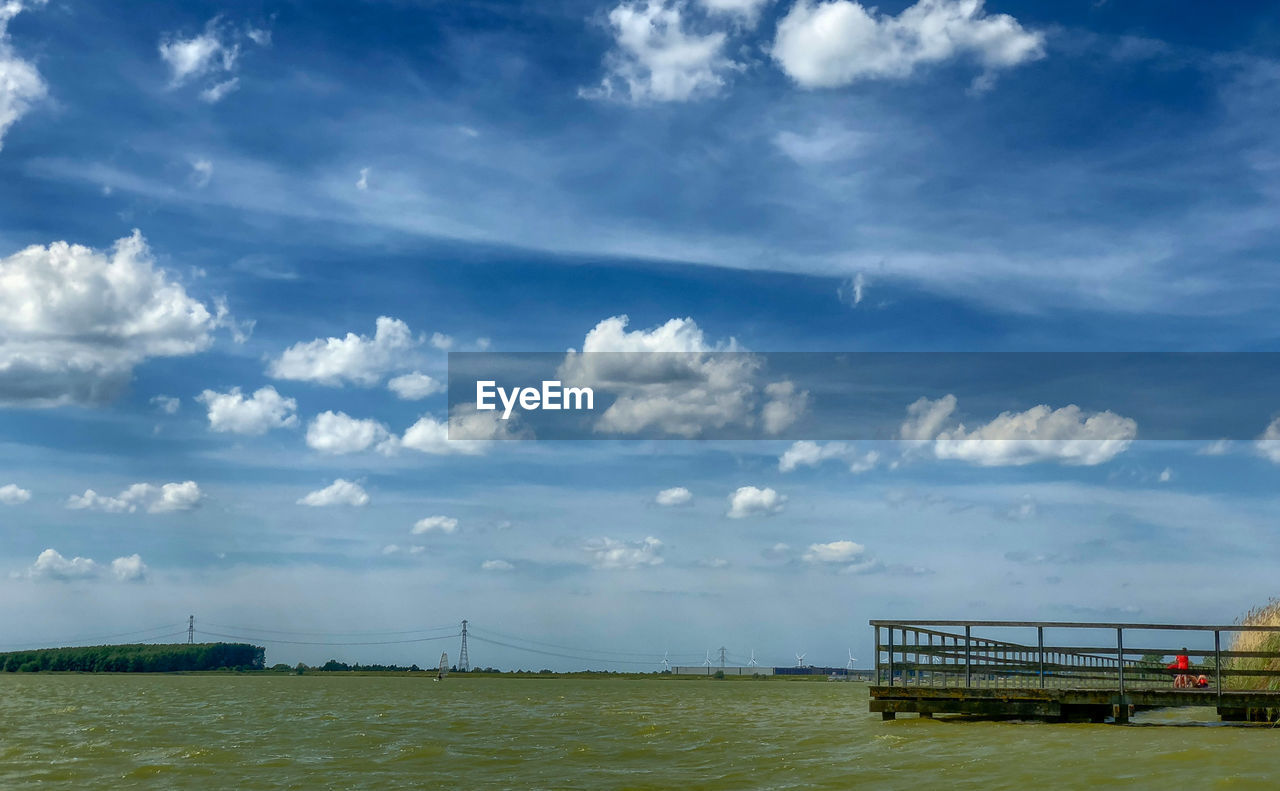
(238,243)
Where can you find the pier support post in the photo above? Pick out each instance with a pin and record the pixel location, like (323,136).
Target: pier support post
(888,715)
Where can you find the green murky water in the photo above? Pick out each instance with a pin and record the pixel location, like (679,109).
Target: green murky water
(311,732)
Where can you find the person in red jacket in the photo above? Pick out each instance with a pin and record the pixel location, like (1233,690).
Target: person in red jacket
(1181,662)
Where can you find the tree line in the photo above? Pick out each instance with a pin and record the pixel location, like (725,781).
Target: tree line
(137,658)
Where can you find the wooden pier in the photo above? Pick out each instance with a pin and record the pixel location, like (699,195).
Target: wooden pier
(1064,671)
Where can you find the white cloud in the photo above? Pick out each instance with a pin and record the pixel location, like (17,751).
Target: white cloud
(74,321)
(436,524)
(751,501)
(677,495)
(363,183)
(1268,445)
(835,43)
(852,291)
(259,36)
(607,553)
(51,565)
(441,341)
(166,404)
(1219,447)
(233,413)
(177,497)
(714,563)
(129,569)
(414,386)
(338,432)
(199,55)
(20,83)
(154,499)
(390,549)
(925,418)
(496,565)
(748,10)
(806,453)
(1166,475)
(1026,508)
(821,146)
(1066,435)
(355,358)
(671,380)
(655,59)
(834,552)
(785,406)
(340,492)
(474,429)
(219,91)
(12,494)
(201,173)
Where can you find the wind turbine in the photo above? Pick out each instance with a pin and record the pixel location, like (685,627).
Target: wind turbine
(752,662)
(800,660)
(707,663)
(666,662)
(851,661)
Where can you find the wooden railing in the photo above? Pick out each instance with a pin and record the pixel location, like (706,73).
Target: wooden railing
(1056,654)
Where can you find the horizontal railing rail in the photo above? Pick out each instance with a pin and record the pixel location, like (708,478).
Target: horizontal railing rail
(949,653)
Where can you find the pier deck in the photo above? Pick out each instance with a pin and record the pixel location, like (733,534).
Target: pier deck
(1084,671)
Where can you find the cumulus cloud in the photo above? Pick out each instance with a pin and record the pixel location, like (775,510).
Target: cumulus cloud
(806,453)
(657,59)
(677,495)
(834,552)
(154,499)
(496,565)
(838,42)
(233,413)
(51,565)
(358,359)
(340,492)
(435,524)
(671,380)
(12,494)
(414,386)
(1066,435)
(607,553)
(1268,445)
(20,83)
(338,432)
(129,569)
(441,341)
(785,406)
(751,501)
(75,321)
(470,431)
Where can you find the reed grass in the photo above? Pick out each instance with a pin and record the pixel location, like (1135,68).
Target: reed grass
(1265,615)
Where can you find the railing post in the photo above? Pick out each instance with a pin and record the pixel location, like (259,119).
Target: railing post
(1217,663)
(968,677)
(890,646)
(1040,644)
(1120,656)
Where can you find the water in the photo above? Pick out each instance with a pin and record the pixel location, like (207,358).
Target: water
(318,732)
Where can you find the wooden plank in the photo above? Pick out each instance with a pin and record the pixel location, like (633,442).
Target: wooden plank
(989,708)
(1154,627)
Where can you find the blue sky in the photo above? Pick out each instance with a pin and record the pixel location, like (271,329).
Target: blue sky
(225,230)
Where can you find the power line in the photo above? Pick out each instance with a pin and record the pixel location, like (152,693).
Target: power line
(452,626)
(648,656)
(562,656)
(89,638)
(312,642)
